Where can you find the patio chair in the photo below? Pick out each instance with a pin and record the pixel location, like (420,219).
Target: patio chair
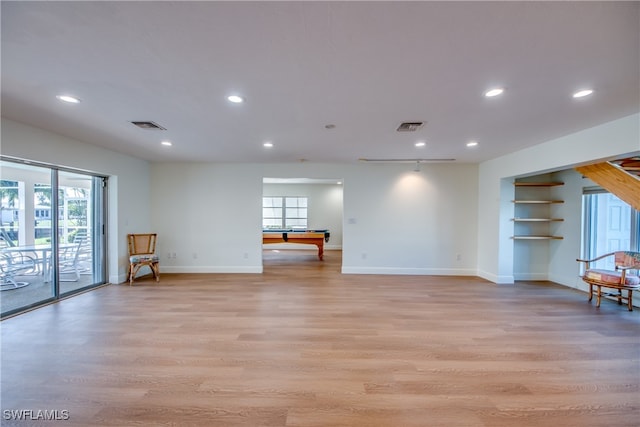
(620,278)
(12,265)
(142,252)
(85,252)
(68,262)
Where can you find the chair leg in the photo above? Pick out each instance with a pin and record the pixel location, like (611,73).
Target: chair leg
(133,270)
(155,270)
(599,296)
(590,292)
(619,296)
(630,299)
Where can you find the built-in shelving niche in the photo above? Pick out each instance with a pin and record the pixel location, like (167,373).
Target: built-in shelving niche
(532,212)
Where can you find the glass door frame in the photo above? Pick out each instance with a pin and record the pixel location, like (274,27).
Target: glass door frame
(97,222)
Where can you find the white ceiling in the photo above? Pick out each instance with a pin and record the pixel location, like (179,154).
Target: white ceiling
(363,66)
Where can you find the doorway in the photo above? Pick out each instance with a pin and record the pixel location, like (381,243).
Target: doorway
(301,204)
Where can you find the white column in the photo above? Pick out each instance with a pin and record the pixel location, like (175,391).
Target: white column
(26,214)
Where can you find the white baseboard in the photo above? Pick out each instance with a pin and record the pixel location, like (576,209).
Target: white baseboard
(409,271)
(499,280)
(211,269)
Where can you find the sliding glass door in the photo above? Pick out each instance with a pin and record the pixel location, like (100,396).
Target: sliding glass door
(25,236)
(80,249)
(51,234)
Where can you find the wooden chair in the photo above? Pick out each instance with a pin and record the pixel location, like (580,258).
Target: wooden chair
(142,252)
(621,278)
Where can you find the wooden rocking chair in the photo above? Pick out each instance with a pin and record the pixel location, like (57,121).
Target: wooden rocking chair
(142,252)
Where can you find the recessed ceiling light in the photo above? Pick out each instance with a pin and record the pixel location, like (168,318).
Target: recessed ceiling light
(166,143)
(235,99)
(472,143)
(268,144)
(583,93)
(420,144)
(68,98)
(330,126)
(339,182)
(494,92)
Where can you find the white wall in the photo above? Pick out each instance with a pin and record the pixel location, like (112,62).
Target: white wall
(495,248)
(209,215)
(563,268)
(401,222)
(128,181)
(396,221)
(324,210)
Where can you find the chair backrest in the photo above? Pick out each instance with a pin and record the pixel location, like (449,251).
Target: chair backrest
(142,244)
(69,252)
(626,258)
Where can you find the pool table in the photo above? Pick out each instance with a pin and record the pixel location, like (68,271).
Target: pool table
(311,237)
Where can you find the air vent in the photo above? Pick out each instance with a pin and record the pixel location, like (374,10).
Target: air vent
(409,126)
(148,125)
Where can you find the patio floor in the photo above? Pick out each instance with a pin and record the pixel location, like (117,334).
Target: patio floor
(37,290)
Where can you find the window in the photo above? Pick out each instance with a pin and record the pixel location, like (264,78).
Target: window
(284,212)
(609,225)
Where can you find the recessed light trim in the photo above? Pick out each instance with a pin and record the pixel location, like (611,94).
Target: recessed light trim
(472,144)
(236,99)
(420,144)
(268,145)
(494,92)
(582,93)
(68,98)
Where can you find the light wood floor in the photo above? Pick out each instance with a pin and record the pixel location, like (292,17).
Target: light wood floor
(303,345)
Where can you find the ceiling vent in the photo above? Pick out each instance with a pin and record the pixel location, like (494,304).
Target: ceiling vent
(148,125)
(409,126)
